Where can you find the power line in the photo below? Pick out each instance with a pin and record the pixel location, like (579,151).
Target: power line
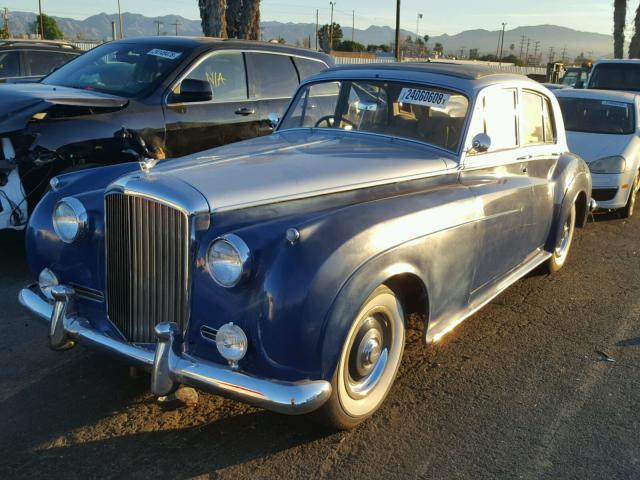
(158,23)
(176,24)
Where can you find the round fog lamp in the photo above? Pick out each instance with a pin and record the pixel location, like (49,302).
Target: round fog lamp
(232,343)
(46,281)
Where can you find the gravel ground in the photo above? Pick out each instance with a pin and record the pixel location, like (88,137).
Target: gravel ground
(525,389)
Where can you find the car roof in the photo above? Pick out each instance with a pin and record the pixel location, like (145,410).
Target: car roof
(41,44)
(211,42)
(463,76)
(618,60)
(596,94)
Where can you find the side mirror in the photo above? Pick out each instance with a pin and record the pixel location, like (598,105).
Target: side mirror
(274,119)
(481,143)
(192,90)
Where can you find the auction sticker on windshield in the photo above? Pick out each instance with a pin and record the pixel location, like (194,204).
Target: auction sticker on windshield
(427,98)
(158,52)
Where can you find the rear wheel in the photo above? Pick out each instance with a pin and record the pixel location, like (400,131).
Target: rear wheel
(368,363)
(627,210)
(560,253)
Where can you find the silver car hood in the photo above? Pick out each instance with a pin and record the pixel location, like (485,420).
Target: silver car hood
(298,164)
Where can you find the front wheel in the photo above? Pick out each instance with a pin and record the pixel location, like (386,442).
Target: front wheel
(560,253)
(627,210)
(368,363)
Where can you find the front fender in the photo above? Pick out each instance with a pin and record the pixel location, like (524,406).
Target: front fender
(572,183)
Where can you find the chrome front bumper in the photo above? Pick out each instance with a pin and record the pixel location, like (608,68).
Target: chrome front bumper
(169,365)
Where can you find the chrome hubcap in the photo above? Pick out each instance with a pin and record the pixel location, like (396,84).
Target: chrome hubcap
(368,355)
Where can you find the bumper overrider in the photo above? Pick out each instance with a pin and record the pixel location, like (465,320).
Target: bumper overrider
(170,366)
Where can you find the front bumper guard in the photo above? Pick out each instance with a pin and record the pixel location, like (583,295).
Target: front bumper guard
(170,366)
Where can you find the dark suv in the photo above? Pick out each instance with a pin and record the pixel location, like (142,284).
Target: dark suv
(140,99)
(30,60)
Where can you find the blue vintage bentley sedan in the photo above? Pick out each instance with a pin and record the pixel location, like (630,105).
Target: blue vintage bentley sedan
(280,271)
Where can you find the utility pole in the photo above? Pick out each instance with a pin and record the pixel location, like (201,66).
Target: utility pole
(502,42)
(535,53)
(41,21)
(564,55)
(526,56)
(331,27)
(353,27)
(158,23)
(113,30)
(5,17)
(316,29)
(398,30)
(120,20)
(522,40)
(551,54)
(176,24)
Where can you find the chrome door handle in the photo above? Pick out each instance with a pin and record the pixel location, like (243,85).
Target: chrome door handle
(245,111)
(526,157)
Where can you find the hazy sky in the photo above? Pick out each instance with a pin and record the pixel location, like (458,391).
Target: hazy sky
(439,17)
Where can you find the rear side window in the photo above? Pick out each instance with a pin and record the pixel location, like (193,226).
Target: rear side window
(40,62)
(273,76)
(9,64)
(537,125)
(225,73)
(307,67)
(500,119)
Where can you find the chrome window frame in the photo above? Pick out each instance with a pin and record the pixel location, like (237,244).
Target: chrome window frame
(197,63)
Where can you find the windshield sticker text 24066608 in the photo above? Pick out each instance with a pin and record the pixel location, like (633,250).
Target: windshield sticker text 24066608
(427,98)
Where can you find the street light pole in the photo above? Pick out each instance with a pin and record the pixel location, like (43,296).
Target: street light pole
(398,30)
(502,42)
(331,27)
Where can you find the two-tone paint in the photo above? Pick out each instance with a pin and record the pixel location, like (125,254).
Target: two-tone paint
(447,231)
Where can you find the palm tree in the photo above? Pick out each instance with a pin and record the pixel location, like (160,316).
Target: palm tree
(619,23)
(634,47)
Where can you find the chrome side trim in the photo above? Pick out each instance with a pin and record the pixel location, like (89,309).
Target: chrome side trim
(171,367)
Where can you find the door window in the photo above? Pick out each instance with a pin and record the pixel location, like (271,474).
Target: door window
(537,123)
(226,74)
(9,64)
(41,63)
(500,119)
(273,76)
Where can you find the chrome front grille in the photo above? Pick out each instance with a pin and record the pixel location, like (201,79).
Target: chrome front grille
(147,263)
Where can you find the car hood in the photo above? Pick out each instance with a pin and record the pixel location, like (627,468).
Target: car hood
(19,102)
(592,146)
(298,164)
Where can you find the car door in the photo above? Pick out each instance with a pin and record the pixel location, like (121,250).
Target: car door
(230,116)
(273,80)
(499,179)
(541,153)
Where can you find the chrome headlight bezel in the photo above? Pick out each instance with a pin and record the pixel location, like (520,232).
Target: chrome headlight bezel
(80,217)
(612,164)
(239,249)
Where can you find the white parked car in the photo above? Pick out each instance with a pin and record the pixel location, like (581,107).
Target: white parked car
(602,127)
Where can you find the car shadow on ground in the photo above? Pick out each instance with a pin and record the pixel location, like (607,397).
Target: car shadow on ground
(93,411)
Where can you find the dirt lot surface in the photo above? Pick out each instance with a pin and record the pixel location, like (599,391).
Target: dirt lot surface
(543,383)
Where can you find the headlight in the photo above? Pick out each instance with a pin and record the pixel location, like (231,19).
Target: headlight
(232,343)
(228,260)
(614,164)
(69,219)
(46,281)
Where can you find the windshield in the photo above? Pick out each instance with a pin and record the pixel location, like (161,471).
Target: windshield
(597,116)
(616,76)
(573,76)
(428,114)
(118,68)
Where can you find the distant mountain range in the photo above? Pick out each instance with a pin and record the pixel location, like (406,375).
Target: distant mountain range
(98,27)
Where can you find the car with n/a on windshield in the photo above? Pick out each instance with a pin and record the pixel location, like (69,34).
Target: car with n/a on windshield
(281,271)
(157,97)
(602,127)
